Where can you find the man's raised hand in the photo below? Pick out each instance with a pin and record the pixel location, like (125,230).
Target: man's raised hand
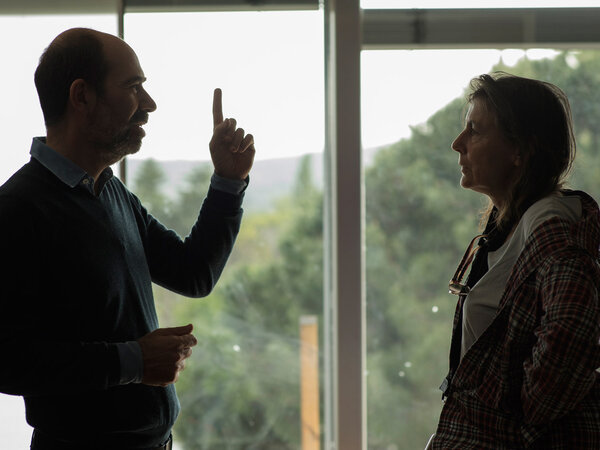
(232,151)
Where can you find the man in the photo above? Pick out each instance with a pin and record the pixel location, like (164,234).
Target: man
(79,337)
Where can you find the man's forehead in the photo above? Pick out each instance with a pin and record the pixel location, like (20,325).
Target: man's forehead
(122,60)
(115,47)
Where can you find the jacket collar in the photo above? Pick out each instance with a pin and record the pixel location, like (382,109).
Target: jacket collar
(556,235)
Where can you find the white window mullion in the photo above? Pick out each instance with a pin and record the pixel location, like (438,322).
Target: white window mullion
(345,280)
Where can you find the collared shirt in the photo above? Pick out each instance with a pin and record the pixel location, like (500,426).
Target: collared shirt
(65,169)
(130,354)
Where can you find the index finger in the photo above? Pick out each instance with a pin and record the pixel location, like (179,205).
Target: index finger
(217,107)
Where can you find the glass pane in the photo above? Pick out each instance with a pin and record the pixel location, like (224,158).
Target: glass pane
(419,220)
(243,385)
(20,120)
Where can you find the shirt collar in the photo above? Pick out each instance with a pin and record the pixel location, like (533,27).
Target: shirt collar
(63,168)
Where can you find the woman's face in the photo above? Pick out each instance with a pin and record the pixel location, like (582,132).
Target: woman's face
(488,161)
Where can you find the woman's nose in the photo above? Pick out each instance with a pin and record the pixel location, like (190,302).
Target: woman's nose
(457,144)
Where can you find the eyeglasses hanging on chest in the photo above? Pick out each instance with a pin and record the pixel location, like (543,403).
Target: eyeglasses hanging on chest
(456,286)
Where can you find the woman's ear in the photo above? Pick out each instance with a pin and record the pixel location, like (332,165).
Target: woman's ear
(517,159)
(524,152)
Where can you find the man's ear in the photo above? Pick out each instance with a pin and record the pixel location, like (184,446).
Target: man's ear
(82,98)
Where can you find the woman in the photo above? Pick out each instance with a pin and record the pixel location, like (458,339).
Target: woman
(525,342)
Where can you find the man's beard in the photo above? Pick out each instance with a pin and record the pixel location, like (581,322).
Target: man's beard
(120,144)
(114,143)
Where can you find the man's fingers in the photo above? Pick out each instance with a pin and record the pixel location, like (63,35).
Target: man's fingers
(224,130)
(238,136)
(186,353)
(217,107)
(182,331)
(187,341)
(175,331)
(247,142)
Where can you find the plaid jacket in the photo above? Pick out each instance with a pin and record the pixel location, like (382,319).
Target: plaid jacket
(530,380)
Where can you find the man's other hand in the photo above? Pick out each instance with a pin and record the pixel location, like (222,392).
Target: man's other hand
(164,352)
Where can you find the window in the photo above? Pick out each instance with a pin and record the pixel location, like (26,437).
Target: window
(242,386)
(419,220)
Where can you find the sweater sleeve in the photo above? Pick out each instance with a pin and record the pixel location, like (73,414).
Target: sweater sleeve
(192,266)
(563,362)
(33,363)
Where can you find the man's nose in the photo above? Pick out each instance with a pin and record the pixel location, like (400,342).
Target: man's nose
(147,103)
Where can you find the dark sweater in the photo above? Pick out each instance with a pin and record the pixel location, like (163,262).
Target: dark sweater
(75,279)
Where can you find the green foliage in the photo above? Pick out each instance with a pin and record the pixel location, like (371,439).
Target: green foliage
(241,387)
(180,214)
(148,185)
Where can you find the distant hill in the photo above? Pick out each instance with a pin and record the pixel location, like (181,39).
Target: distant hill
(270,179)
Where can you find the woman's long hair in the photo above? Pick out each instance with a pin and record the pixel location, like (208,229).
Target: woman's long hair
(535,116)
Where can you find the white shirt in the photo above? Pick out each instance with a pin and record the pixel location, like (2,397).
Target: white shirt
(481,304)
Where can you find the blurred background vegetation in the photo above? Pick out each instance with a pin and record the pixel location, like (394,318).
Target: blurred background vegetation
(241,388)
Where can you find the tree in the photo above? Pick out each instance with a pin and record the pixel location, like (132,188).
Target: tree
(185,208)
(148,185)
(245,388)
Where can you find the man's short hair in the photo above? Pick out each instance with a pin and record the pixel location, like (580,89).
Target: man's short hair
(77,54)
